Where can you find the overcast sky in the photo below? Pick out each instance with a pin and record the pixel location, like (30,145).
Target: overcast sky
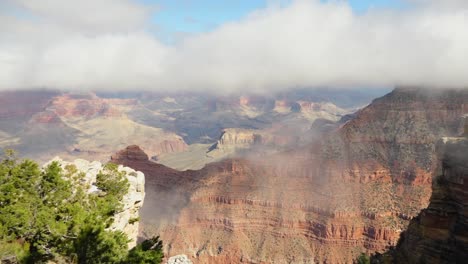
(123,44)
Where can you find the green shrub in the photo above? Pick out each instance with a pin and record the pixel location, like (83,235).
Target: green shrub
(363,259)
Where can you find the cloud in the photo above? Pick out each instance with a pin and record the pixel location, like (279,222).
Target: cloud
(302,44)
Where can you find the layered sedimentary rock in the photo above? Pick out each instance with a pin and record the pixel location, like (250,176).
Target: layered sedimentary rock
(17,105)
(439,234)
(235,138)
(328,201)
(241,210)
(104,120)
(45,124)
(400,131)
(240,138)
(175,144)
(88,106)
(93,126)
(126,220)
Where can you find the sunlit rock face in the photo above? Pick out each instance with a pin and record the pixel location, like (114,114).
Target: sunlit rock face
(128,219)
(237,139)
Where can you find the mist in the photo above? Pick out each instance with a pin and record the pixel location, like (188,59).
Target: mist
(112,45)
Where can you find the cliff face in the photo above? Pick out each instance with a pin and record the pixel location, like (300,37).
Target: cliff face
(326,202)
(132,201)
(399,131)
(439,234)
(167,190)
(235,138)
(250,211)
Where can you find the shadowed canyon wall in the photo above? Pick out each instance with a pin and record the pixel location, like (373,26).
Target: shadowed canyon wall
(439,234)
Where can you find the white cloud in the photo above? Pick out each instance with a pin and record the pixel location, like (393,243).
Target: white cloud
(306,43)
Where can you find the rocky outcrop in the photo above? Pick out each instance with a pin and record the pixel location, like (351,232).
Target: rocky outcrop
(177,144)
(131,153)
(127,220)
(167,190)
(234,139)
(439,234)
(179,259)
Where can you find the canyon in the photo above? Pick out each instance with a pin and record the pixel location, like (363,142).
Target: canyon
(41,124)
(78,126)
(287,178)
(327,201)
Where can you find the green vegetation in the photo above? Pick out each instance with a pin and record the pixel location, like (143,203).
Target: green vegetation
(46,214)
(150,251)
(363,259)
(133,220)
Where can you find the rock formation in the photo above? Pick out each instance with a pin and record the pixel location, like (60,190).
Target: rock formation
(76,126)
(88,106)
(352,192)
(238,138)
(179,259)
(439,234)
(21,105)
(250,210)
(127,220)
(235,140)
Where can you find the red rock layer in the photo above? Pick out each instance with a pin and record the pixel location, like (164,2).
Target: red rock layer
(399,132)
(88,106)
(325,203)
(251,210)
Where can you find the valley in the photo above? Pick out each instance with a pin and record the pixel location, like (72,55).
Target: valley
(314,184)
